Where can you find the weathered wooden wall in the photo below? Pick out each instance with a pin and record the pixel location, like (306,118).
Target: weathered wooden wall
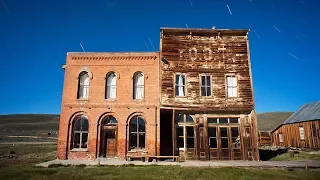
(264,138)
(291,135)
(211,52)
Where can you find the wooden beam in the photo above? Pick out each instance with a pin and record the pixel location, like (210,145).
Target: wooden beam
(173,134)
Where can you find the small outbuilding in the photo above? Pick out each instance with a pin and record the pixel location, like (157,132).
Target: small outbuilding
(267,122)
(301,129)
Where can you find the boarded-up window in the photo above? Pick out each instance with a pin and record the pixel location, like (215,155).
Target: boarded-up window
(314,130)
(205,85)
(301,131)
(280,138)
(232,86)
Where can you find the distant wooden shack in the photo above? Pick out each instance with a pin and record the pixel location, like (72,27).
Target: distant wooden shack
(301,129)
(268,122)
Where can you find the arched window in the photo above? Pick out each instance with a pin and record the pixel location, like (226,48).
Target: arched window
(185,131)
(83,85)
(111,90)
(80,128)
(138,86)
(137,129)
(110,120)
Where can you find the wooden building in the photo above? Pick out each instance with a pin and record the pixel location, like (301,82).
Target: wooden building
(207,106)
(301,129)
(268,122)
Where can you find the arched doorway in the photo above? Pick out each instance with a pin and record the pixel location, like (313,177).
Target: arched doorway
(108,137)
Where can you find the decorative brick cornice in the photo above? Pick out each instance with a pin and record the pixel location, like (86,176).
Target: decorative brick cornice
(88,105)
(113,56)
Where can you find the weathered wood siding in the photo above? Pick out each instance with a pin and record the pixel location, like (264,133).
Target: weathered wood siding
(264,138)
(291,135)
(211,52)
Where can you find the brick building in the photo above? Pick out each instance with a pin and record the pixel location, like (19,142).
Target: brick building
(104,96)
(194,100)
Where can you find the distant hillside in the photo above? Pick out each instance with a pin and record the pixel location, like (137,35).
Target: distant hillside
(270,120)
(28,125)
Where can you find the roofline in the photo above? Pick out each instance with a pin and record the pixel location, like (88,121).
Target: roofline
(294,123)
(242,32)
(116,53)
(202,29)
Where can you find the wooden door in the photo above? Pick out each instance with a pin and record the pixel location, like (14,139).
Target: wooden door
(110,143)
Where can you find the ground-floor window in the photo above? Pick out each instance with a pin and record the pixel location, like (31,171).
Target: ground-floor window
(184,131)
(80,128)
(137,131)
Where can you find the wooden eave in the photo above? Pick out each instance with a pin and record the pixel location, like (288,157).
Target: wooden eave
(238,32)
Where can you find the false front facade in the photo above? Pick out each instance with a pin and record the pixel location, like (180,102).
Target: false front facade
(206,95)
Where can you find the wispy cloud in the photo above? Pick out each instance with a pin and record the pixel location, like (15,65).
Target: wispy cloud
(229,9)
(293,55)
(187,25)
(5,6)
(276,28)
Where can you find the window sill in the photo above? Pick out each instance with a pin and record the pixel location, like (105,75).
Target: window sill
(138,100)
(83,99)
(110,100)
(79,150)
(180,96)
(138,150)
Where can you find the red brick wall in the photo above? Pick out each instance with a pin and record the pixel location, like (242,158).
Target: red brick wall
(97,107)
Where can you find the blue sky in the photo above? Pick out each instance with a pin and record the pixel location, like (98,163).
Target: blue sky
(36,34)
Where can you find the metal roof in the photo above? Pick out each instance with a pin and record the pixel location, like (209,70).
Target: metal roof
(307,112)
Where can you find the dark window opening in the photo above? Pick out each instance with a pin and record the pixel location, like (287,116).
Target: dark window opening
(80,132)
(223,120)
(234,120)
(205,85)
(137,133)
(212,120)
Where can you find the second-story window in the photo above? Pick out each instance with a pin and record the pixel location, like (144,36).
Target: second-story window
(232,86)
(205,85)
(111,90)
(180,85)
(83,85)
(138,85)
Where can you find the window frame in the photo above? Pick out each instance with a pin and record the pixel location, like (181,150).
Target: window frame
(137,133)
(206,85)
(227,86)
(184,125)
(280,135)
(184,86)
(83,86)
(106,90)
(80,132)
(301,131)
(134,86)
